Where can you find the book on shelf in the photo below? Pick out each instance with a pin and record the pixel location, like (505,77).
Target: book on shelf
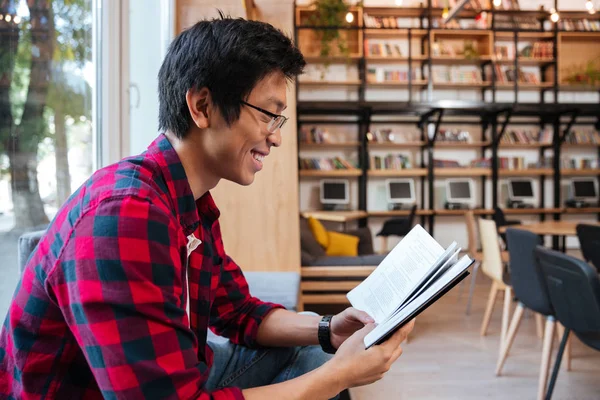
(382,49)
(388,135)
(581,163)
(471,5)
(453,136)
(511,163)
(454,75)
(527,136)
(481,163)
(506,74)
(390,22)
(390,161)
(440,163)
(381,75)
(325,164)
(582,137)
(313,135)
(580,24)
(414,275)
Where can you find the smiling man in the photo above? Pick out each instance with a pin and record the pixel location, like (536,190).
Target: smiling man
(119,295)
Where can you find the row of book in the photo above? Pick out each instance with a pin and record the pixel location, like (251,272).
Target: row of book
(390,22)
(455,75)
(313,135)
(583,137)
(526,136)
(471,5)
(325,164)
(539,49)
(568,24)
(382,49)
(453,135)
(389,75)
(390,161)
(508,75)
(511,163)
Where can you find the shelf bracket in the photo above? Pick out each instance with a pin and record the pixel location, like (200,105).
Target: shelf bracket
(574,114)
(508,112)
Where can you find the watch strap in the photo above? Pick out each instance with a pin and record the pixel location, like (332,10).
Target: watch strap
(324,334)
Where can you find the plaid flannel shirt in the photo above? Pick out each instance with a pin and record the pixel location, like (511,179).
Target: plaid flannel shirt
(100,310)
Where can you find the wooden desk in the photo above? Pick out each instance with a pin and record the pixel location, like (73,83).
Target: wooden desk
(554,228)
(335,216)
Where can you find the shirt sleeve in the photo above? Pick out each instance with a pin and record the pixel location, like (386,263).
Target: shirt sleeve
(119,283)
(235,313)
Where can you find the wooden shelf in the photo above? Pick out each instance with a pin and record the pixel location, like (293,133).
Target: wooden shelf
(522,85)
(459,60)
(384,59)
(327,146)
(335,216)
(453,85)
(394,32)
(582,145)
(526,61)
(416,83)
(579,88)
(525,35)
(531,210)
(584,210)
(330,173)
(398,213)
(523,145)
(525,172)
(330,83)
(442,144)
(398,172)
(461,32)
(580,172)
(477,211)
(446,172)
(406,145)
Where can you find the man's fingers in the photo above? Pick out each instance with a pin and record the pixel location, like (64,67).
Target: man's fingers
(360,316)
(399,336)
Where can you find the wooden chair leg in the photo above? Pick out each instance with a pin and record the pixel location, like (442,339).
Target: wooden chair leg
(560,330)
(489,308)
(505,315)
(539,325)
(472,286)
(546,353)
(514,325)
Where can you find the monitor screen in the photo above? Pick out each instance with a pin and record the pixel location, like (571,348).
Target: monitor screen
(585,188)
(521,188)
(460,190)
(400,190)
(334,191)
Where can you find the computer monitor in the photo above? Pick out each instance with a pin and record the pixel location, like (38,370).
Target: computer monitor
(400,191)
(335,191)
(460,191)
(521,190)
(584,189)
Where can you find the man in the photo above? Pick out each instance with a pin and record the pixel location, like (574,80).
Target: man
(118,297)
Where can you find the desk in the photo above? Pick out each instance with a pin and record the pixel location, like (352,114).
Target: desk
(554,228)
(336,216)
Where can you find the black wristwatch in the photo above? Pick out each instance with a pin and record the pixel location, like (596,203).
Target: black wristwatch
(325,334)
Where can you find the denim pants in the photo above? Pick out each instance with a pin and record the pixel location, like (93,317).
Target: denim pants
(242,367)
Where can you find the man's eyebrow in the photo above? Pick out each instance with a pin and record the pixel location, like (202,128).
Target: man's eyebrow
(278,103)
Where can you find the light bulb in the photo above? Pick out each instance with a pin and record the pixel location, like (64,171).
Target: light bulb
(589,5)
(554,17)
(399,2)
(17,19)
(592,11)
(1,17)
(445,13)
(349,17)
(497,3)
(8,18)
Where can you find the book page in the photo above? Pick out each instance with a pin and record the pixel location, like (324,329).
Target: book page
(438,286)
(397,276)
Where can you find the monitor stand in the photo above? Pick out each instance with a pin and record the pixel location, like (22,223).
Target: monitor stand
(399,206)
(456,206)
(572,203)
(518,204)
(329,207)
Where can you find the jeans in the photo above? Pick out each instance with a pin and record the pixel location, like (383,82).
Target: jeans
(242,367)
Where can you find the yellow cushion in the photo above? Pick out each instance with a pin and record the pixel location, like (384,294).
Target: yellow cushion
(319,232)
(341,244)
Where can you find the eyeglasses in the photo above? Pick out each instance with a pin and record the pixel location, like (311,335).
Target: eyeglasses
(277,121)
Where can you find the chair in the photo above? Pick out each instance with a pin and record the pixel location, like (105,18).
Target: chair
(475,254)
(396,227)
(589,241)
(492,266)
(530,290)
(501,221)
(574,290)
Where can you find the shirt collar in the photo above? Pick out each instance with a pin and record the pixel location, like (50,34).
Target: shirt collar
(178,187)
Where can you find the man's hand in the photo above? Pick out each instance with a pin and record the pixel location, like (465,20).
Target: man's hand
(344,324)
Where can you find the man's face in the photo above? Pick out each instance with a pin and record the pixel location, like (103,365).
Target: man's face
(239,151)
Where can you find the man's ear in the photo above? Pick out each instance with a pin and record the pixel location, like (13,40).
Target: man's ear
(199,105)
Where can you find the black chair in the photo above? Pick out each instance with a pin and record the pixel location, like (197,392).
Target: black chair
(589,241)
(397,226)
(500,220)
(574,290)
(530,290)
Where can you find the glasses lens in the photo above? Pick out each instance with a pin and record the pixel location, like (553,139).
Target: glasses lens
(276,123)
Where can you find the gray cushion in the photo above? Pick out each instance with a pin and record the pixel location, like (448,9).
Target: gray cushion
(372,259)
(365,243)
(308,242)
(276,287)
(369,260)
(306,258)
(27,244)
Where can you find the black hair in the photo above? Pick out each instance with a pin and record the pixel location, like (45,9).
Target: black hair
(229,56)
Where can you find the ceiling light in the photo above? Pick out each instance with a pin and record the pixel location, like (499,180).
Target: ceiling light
(589,5)
(497,3)
(554,17)
(399,2)
(445,13)
(17,19)
(8,18)
(349,17)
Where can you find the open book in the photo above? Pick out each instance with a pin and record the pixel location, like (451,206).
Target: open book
(416,273)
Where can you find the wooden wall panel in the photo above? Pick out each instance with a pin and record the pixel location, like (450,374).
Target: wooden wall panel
(260,222)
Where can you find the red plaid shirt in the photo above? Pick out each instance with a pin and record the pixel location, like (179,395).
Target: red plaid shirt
(100,310)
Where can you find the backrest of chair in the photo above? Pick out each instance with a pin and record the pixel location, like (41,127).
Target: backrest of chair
(526,278)
(471,232)
(492,261)
(574,290)
(589,241)
(499,217)
(411,216)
